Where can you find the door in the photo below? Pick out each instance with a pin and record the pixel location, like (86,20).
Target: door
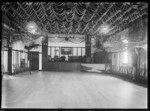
(34,60)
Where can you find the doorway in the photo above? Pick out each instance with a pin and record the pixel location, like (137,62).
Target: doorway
(34,60)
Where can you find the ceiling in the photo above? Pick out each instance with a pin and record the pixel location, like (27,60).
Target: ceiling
(72,18)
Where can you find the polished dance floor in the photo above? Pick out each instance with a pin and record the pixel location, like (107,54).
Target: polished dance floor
(70,90)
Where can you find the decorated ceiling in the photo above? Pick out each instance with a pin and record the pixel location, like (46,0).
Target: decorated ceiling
(97,19)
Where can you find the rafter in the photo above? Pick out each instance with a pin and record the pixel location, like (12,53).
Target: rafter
(70,30)
(37,16)
(85,27)
(120,17)
(16,12)
(44,12)
(92,17)
(85,10)
(83,18)
(21,28)
(101,17)
(24,11)
(131,20)
(130,16)
(95,12)
(107,20)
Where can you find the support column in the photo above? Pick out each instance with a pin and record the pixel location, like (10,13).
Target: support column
(88,47)
(44,51)
(10,60)
(137,65)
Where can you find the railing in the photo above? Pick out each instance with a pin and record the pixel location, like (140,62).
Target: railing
(131,72)
(18,69)
(141,74)
(3,70)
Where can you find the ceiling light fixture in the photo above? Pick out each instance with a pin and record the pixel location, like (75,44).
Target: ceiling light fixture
(29,3)
(93,39)
(125,41)
(104,29)
(135,6)
(31,27)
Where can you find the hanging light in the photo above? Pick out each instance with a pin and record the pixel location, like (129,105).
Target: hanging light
(135,6)
(104,29)
(31,27)
(29,3)
(125,41)
(92,39)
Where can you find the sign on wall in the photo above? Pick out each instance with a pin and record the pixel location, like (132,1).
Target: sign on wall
(66,50)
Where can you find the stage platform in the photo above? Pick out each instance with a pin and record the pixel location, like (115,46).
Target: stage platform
(61,66)
(73,66)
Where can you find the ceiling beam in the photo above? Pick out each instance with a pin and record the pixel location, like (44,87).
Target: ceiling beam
(126,16)
(24,11)
(81,18)
(107,20)
(120,18)
(20,25)
(16,12)
(37,16)
(134,14)
(92,16)
(72,17)
(101,17)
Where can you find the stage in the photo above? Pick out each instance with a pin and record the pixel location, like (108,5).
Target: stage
(73,66)
(61,66)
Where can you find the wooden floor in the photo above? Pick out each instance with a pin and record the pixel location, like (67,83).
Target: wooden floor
(70,90)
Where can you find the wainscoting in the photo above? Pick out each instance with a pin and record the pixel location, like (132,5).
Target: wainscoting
(61,66)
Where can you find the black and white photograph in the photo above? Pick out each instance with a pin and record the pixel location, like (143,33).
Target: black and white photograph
(60,55)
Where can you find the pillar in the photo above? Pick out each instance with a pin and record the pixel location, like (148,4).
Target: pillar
(44,51)
(137,61)
(88,46)
(10,60)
